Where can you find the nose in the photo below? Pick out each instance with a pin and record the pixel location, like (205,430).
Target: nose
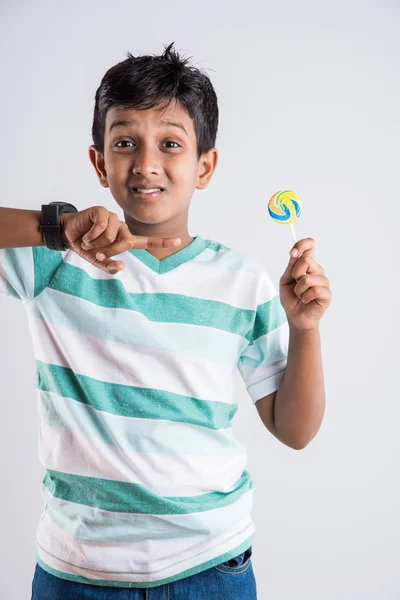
(146,161)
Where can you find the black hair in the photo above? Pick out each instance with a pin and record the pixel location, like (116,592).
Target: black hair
(142,82)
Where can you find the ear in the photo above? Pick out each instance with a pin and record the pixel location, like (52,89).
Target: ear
(97,160)
(207,165)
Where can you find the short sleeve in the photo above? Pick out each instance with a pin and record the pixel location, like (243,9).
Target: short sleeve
(262,363)
(25,272)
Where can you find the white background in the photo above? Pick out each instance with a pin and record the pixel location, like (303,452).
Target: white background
(309,98)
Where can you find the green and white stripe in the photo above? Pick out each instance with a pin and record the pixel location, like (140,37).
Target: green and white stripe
(145,482)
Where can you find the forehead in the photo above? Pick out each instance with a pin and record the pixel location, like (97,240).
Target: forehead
(156,117)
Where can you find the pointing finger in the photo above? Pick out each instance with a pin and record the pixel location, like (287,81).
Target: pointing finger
(141,241)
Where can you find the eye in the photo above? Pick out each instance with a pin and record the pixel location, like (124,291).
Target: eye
(123,141)
(129,142)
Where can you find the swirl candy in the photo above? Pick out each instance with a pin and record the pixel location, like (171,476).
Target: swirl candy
(285,208)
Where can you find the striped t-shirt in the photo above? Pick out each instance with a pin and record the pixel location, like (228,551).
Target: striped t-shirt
(145,482)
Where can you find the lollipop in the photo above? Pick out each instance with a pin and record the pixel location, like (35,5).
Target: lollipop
(285,208)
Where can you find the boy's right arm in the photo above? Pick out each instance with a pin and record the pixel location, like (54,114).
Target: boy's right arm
(20,228)
(25,270)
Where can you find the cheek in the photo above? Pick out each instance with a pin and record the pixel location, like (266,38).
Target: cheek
(116,170)
(185,174)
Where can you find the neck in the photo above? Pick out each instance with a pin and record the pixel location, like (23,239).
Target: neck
(164,230)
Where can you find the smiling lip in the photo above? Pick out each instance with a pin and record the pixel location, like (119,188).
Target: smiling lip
(151,196)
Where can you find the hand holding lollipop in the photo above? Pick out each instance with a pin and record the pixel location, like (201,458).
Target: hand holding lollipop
(304,289)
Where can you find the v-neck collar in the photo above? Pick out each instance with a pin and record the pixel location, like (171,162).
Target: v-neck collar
(197,245)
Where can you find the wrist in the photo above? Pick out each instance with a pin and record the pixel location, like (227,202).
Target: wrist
(51,227)
(63,221)
(313,331)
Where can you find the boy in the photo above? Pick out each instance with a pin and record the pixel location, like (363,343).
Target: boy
(145,485)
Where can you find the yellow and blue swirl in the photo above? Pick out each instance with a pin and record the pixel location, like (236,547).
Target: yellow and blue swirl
(285,207)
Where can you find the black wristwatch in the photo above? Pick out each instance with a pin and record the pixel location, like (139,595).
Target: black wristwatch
(51,224)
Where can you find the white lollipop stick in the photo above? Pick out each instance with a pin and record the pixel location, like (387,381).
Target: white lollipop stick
(292,228)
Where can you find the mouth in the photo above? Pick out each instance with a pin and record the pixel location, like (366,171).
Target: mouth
(150,195)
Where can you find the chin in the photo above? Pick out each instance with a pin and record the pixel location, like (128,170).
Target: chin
(148,217)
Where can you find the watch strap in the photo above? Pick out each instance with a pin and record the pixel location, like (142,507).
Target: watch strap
(50,225)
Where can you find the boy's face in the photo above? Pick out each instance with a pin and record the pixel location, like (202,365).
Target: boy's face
(146,152)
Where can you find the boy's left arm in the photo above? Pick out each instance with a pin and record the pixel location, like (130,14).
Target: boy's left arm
(295,411)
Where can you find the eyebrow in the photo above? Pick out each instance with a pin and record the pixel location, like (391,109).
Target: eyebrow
(132,121)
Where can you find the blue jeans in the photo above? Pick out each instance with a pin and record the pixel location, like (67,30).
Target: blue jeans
(232,580)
